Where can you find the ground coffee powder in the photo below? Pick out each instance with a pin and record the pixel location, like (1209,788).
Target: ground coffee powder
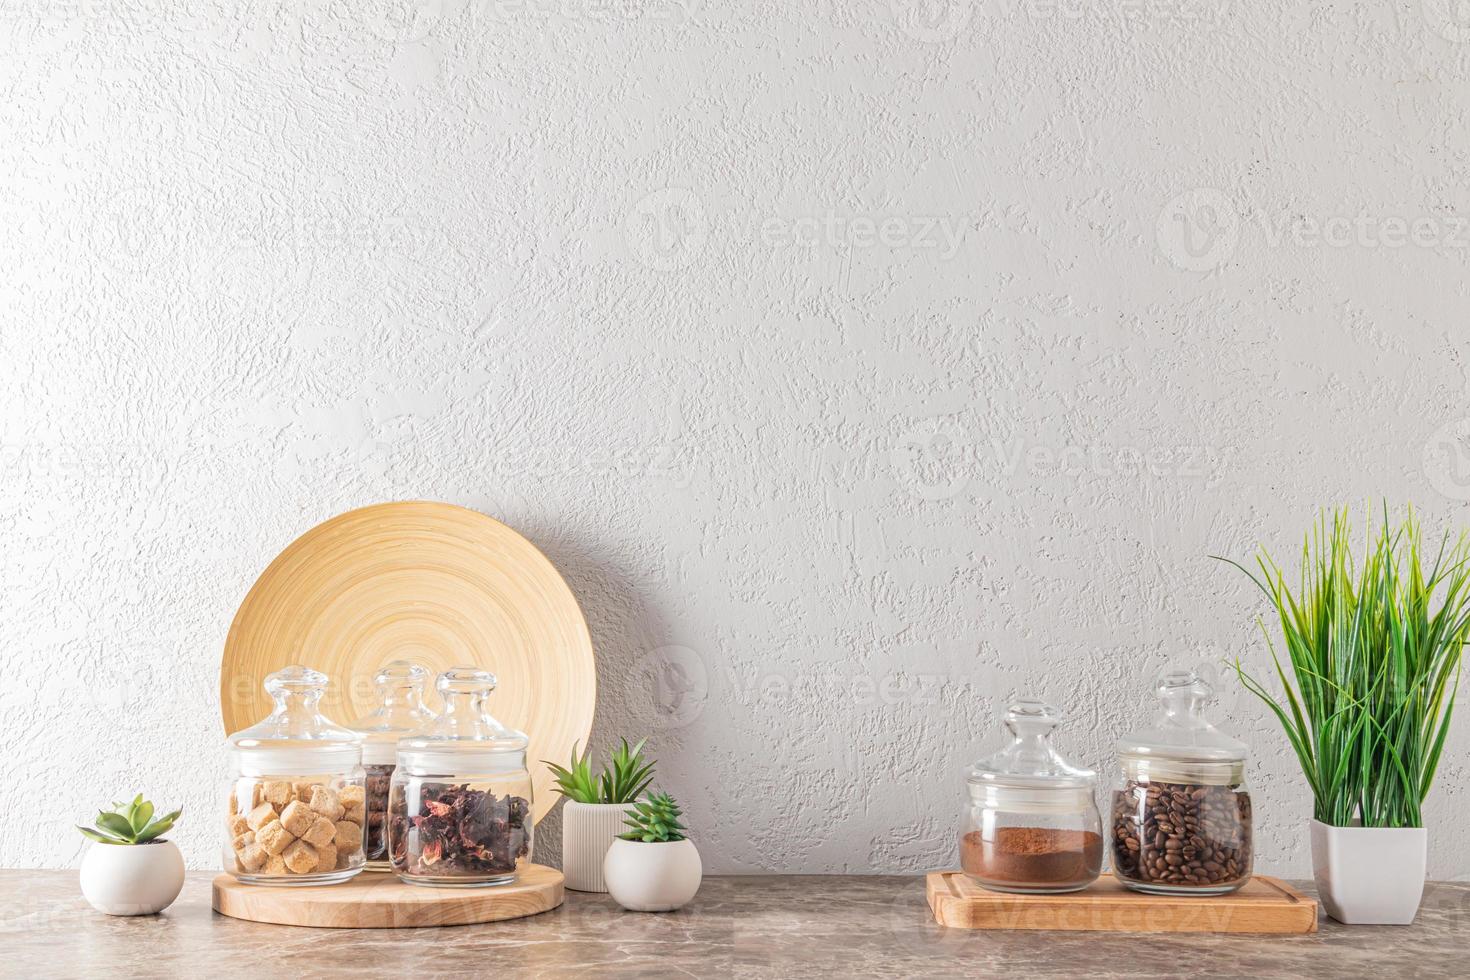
(1033,856)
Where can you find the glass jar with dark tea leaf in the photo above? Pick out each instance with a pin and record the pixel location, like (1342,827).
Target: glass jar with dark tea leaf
(459,804)
(399,714)
(1181,817)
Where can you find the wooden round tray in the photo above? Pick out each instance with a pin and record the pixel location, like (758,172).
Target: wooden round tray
(429,582)
(374,900)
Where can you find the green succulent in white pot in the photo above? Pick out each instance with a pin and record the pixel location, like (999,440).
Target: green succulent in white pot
(1373,653)
(653,866)
(596,804)
(131,868)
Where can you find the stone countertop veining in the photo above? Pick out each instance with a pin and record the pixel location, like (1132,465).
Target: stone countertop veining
(756,926)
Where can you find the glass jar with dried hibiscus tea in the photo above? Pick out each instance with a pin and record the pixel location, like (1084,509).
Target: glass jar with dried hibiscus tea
(294,813)
(1032,824)
(400,713)
(1181,816)
(459,804)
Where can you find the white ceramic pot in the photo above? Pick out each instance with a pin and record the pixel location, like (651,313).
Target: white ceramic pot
(587,831)
(1370,875)
(132,879)
(652,877)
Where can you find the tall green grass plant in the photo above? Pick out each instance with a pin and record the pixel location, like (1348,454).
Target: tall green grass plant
(1374,650)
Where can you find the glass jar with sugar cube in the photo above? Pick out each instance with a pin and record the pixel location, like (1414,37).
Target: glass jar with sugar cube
(297,798)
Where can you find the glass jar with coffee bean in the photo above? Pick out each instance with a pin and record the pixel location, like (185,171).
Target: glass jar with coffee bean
(1181,817)
(400,713)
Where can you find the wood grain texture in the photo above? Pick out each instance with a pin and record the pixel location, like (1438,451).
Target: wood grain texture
(382,901)
(1264,905)
(429,582)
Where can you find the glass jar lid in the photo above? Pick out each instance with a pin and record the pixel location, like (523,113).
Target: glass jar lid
(295,739)
(1029,770)
(1182,745)
(465,739)
(401,711)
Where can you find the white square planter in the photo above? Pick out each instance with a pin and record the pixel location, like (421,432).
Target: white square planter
(1370,875)
(587,831)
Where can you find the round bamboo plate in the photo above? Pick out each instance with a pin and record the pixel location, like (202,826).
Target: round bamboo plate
(381,901)
(423,581)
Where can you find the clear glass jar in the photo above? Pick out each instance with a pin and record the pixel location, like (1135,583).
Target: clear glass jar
(1032,824)
(1181,815)
(296,795)
(401,712)
(459,805)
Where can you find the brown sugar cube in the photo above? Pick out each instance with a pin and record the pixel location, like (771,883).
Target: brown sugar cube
(320,833)
(278,792)
(326,857)
(234,805)
(246,838)
(302,791)
(273,837)
(351,796)
(252,857)
(344,859)
(297,818)
(349,837)
(353,814)
(238,824)
(260,816)
(300,857)
(325,802)
(275,865)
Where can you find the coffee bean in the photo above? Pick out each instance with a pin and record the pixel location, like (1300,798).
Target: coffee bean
(1185,835)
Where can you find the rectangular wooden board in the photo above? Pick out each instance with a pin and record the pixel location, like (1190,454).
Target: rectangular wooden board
(1264,905)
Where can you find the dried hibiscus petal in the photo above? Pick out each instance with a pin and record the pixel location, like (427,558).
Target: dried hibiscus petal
(461,831)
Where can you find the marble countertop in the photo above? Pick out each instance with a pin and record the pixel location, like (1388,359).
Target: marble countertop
(758,926)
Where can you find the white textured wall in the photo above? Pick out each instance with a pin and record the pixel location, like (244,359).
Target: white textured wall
(860,364)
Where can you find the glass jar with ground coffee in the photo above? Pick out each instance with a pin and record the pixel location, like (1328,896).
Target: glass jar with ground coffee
(1032,824)
(1181,816)
(400,713)
(459,803)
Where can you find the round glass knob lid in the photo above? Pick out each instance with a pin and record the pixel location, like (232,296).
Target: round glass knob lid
(1029,760)
(1180,729)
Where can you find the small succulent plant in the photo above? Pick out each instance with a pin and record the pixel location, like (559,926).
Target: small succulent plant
(622,780)
(655,821)
(130,823)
